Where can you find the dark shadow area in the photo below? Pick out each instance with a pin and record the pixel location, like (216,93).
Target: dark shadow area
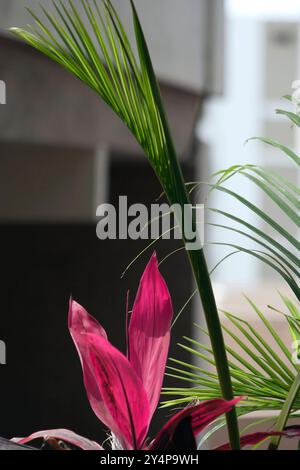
(41,265)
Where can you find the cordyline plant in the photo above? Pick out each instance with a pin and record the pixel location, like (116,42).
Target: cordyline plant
(94,47)
(124,391)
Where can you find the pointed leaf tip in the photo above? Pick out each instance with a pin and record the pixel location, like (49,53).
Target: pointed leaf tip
(149,331)
(81,322)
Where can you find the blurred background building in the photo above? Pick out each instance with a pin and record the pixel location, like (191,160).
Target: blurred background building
(223,66)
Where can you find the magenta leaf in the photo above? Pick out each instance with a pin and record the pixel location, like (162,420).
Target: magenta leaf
(80,321)
(291,432)
(115,392)
(183,438)
(149,331)
(251,439)
(62,435)
(200,417)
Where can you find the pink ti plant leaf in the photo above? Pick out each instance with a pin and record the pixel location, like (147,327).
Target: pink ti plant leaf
(124,392)
(115,392)
(63,435)
(149,331)
(199,417)
(290,432)
(79,322)
(149,339)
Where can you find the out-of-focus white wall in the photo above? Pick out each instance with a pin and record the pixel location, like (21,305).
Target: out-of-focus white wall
(261,59)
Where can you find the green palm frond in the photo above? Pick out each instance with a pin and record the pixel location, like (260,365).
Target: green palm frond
(93,46)
(261,372)
(268,376)
(276,246)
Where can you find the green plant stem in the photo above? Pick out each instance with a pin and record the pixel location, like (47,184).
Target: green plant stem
(204,285)
(285,412)
(180,196)
(203,281)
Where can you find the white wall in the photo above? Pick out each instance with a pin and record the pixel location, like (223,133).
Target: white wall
(260,64)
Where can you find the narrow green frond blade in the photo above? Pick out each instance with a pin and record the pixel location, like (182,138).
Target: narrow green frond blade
(266,218)
(287,210)
(261,234)
(293,117)
(279,146)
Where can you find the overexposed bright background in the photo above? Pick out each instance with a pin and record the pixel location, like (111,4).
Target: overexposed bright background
(261,59)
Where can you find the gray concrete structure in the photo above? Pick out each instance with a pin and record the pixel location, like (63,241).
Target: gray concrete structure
(184,36)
